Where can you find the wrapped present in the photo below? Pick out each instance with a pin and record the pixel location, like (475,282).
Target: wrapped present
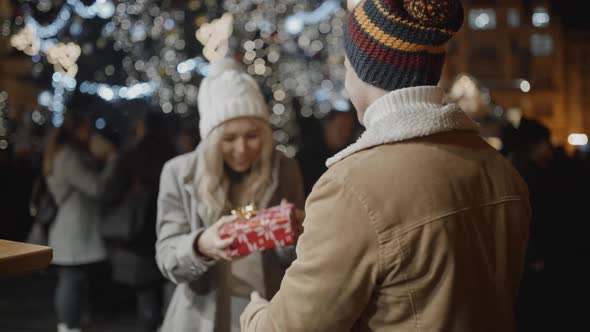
(258,231)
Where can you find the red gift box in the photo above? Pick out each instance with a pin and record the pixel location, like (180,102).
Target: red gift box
(271,228)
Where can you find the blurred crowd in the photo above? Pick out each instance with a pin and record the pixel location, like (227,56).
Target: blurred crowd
(116,180)
(121,183)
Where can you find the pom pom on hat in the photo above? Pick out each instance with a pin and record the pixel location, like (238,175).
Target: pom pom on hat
(433,12)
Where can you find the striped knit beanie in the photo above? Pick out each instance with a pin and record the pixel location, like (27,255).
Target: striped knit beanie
(394,44)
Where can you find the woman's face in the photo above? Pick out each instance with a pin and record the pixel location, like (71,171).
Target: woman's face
(241,143)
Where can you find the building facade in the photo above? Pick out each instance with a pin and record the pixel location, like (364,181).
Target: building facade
(577,87)
(517,50)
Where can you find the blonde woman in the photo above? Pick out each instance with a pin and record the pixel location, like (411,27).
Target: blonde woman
(234,164)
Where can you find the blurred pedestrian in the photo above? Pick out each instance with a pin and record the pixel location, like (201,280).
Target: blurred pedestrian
(534,158)
(186,140)
(76,184)
(130,201)
(337,131)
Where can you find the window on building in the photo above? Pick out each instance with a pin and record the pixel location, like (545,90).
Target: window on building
(542,79)
(513,18)
(541,44)
(482,19)
(521,65)
(483,62)
(541,17)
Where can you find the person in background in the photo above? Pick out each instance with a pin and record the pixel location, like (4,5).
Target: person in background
(336,132)
(508,135)
(234,165)
(186,141)
(136,176)
(74,180)
(418,226)
(15,193)
(533,158)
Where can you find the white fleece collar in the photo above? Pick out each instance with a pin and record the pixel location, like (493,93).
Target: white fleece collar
(405,114)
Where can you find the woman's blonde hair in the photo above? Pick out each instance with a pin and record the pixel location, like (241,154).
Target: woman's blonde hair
(213,185)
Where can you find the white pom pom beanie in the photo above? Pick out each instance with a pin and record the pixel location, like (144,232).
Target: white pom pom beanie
(228,93)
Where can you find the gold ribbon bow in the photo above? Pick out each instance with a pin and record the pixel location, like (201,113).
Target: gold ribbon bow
(245,212)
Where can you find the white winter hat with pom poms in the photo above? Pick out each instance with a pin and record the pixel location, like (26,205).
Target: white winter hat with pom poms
(228,93)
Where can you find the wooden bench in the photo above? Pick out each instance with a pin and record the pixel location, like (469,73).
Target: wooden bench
(18,258)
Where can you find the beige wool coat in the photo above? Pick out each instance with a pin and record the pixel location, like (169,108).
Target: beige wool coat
(419,226)
(200,301)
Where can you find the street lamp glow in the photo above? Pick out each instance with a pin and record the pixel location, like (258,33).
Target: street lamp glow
(541,17)
(525,86)
(577,139)
(482,20)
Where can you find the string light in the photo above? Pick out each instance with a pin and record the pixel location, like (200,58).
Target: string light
(26,41)
(57,106)
(294,49)
(215,35)
(63,57)
(294,24)
(101,8)
(113,93)
(54,28)
(199,64)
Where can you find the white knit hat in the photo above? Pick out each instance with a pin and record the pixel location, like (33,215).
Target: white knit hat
(228,93)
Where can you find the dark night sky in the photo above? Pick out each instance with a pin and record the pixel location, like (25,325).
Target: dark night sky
(572,13)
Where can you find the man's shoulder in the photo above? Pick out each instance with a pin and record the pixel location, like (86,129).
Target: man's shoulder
(366,166)
(431,166)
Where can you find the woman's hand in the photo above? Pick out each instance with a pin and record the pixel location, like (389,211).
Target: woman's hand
(210,245)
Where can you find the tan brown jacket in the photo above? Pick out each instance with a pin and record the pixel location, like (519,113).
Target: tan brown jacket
(419,234)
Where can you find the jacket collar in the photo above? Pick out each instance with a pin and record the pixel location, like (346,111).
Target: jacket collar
(405,114)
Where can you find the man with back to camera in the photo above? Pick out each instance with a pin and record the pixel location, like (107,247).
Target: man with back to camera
(419,225)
